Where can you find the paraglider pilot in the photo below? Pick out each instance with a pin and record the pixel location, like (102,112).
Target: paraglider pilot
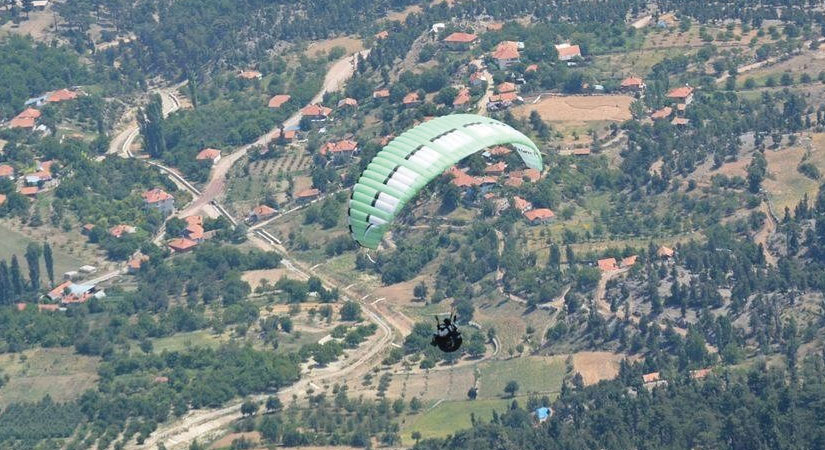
(447,337)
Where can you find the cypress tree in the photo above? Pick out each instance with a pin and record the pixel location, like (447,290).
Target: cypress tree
(16,278)
(6,292)
(47,258)
(33,251)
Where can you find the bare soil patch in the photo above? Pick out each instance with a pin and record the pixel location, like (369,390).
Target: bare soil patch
(597,366)
(226,441)
(348,43)
(614,108)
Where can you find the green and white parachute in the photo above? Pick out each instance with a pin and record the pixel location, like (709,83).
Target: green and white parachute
(416,157)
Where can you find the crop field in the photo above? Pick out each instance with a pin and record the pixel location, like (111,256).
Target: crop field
(579,113)
(69,251)
(57,372)
(785,184)
(348,43)
(534,374)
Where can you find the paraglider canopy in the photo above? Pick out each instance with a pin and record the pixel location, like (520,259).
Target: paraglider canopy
(413,159)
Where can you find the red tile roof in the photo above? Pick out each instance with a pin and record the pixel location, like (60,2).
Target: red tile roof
(89,227)
(209,153)
(664,252)
(308,193)
(250,74)
(495,26)
(680,92)
(30,113)
(662,113)
(539,214)
(679,121)
(382,34)
(156,195)
(316,110)
(194,232)
(651,377)
(24,122)
(58,291)
(182,244)
(506,50)
(137,261)
(411,98)
(699,373)
(461,38)
(505,97)
(6,170)
(2,199)
(532,68)
(119,230)
(505,87)
(607,264)
(569,51)
(381,93)
(581,151)
(531,174)
(193,220)
(29,190)
(629,261)
(632,82)
(496,168)
(462,98)
(348,102)
(47,307)
(500,151)
(278,100)
(289,134)
(21,306)
(263,211)
(61,96)
(344,145)
(521,204)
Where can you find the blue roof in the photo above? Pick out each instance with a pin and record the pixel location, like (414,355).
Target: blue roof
(543,412)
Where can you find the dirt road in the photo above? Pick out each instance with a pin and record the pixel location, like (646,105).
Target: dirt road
(334,80)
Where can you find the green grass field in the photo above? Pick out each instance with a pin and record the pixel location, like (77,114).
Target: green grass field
(14,243)
(534,374)
(448,417)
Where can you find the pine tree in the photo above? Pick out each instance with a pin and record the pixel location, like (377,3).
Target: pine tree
(47,258)
(16,277)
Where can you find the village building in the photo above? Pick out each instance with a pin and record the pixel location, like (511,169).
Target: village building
(506,87)
(495,26)
(182,245)
(663,113)
(581,151)
(316,113)
(682,94)
(381,35)
(629,261)
(521,204)
(26,119)
(460,41)
(6,171)
(539,215)
(381,94)
(3,199)
(209,154)
(411,99)
(506,54)
(495,169)
(119,230)
(568,52)
(307,195)
(679,121)
(136,262)
(531,68)
(348,102)
(61,95)
(278,100)
(262,212)
(633,84)
(159,199)
(339,151)
(664,252)
(607,264)
(70,293)
(462,99)
(250,75)
(28,191)
(477,79)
